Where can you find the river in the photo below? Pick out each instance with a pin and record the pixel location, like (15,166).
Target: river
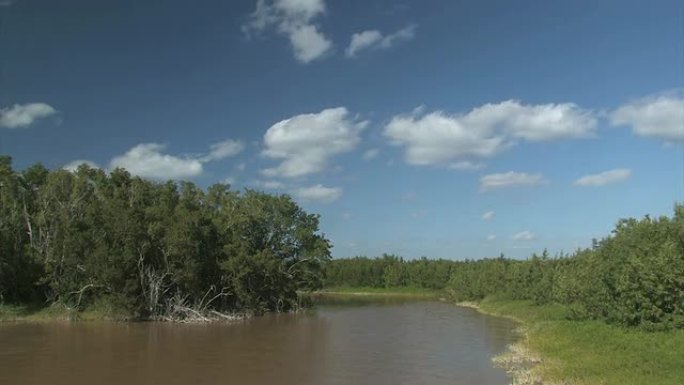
(373,342)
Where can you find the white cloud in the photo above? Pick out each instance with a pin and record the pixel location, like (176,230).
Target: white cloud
(306,142)
(23,115)
(308,43)
(148,161)
(489,215)
(223,150)
(661,117)
(319,193)
(466,165)
(439,138)
(371,154)
(491,238)
(373,39)
(541,122)
(510,179)
(363,40)
(524,236)
(604,178)
(294,19)
(270,184)
(73,165)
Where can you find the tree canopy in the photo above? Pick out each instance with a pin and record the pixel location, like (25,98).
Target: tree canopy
(88,238)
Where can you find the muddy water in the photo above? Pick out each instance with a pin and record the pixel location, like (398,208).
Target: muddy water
(371,343)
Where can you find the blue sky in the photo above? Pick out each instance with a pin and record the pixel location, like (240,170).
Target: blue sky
(436,128)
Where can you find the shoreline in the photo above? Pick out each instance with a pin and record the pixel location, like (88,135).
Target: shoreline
(556,348)
(519,362)
(27,314)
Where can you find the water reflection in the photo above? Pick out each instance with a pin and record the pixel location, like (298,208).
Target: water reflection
(391,342)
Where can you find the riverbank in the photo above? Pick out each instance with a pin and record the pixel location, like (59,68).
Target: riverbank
(57,313)
(556,350)
(21,313)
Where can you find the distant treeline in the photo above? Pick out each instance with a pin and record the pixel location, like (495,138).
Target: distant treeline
(88,239)
(389,271)
(634,277)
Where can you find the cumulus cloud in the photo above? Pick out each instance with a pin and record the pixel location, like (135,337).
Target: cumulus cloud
(224,149)
(319,193)
(371,154)
(23,115)
(541,122)
(439,138)
(148,161)
(510,179)
(489,215)
(466,165)
(295,20)
(661,117)
(373,39)
(73,165)
(270,184)
(308,43)
(491,238)
(524,236)
(306,142)
(604,178)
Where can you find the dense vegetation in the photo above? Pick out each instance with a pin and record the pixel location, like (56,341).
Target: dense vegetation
(635,277)
(88,239)
(389,271)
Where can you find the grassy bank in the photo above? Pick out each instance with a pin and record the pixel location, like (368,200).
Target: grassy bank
(381,291)
(589,352)
(25,313)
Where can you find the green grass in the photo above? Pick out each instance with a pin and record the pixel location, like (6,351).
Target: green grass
(592,352)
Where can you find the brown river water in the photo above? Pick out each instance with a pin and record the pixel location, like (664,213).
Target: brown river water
(372,342)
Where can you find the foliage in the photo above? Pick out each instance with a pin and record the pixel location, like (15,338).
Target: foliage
(388,271)
(635,277)
(88,238)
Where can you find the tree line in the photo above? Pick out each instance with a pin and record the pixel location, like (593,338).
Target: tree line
(389,271)
(633,277)
(90,239)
